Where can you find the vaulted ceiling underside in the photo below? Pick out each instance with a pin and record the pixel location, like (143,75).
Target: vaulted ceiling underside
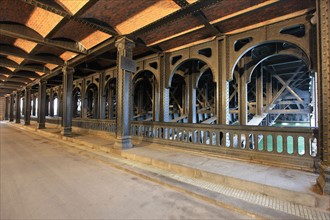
(38,36)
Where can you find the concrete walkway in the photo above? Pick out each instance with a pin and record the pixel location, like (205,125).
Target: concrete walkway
(44,179)
(265,189)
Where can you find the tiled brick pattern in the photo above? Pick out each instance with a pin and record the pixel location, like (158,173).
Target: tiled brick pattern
(93,39)
(17,60)
(73,30)
(43,21)
(54,50)
(72,6)
(186,39)
(115,12)
(273,11)
(25,45)
(147,16)
(170,29)
(227,7)
(6,40)
(67,55)
(15,11)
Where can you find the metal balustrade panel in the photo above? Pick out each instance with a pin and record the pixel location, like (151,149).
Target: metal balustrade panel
(264,143)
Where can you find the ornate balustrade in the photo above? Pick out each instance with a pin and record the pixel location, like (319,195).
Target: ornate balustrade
(285,146)
(95,124)
(276,145)
(54,120)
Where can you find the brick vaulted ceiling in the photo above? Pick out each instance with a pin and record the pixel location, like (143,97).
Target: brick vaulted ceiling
(38,36)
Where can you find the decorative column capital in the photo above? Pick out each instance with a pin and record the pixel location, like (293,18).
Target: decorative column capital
(42,82)
(67,69)
(124,43)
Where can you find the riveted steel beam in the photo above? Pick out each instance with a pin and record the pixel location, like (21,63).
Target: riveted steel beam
(189,9)
(23,32)
(50,6)
(9,50)
(34,68)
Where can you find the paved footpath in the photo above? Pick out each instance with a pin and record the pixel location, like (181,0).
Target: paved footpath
(42,179)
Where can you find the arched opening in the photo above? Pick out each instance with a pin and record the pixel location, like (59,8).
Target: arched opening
(76,103)
(110,99)
(192,93)
(274,86)
(143,96)
(177,97)
(233,101)
(92,101)
(47,105)
(37,107)
(205,98)
(21,106)
(32,104)
(55,104)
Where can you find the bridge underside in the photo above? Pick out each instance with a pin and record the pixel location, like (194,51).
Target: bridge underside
(247,80)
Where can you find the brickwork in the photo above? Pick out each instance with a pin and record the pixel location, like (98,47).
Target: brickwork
(115,12)
(273,11)
(25,45)
(222,8)
(54,50)
(94,39)
(170,29)
(147,16)
(90,23)
(67,31)
(6,40)
(17,60)
(186,39)
(6,8)
(43,21)
(72,6)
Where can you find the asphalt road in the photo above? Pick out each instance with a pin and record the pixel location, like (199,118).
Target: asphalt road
(41,179)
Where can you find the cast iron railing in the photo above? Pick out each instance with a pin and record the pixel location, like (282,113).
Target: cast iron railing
(95,124)
(267,144)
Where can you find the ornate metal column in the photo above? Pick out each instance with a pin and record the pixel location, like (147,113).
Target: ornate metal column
(42,104)
(67,100)
(222,96)
(11,108)
(18,107)
(7,108)
(155,100)
(125,67)
(242,92)
(101,96)
(191,98)
(84,101)
(34,105)
(27,113)
(60,103)
(259,92)
(323,30)
(51,103)
(164,90)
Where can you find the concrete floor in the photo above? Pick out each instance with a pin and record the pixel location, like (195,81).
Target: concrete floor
(41,179)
